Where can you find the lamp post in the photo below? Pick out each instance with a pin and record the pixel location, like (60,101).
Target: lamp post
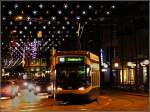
(52,69)
(116,66)
(79,34)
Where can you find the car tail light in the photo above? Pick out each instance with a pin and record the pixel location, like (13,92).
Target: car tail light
(38,88)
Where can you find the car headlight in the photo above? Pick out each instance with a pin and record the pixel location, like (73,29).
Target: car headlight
(7,89)
(59,89)
(49,88)
(30,86)
(37,88)
(25,83)
(81,88)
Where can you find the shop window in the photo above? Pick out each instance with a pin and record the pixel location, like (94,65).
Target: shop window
(144,74)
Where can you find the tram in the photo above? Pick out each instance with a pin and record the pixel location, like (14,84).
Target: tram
(77,75)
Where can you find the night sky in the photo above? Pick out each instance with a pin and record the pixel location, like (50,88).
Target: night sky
(58,22)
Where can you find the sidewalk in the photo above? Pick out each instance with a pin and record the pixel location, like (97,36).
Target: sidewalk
(108,91)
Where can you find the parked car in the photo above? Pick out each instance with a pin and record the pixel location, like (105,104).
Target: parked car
(8,89)
(43,85)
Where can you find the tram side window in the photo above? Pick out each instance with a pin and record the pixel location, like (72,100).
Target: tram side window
(93,77)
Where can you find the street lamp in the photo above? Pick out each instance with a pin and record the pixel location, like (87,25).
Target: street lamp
(146,62)
(18,18)
(131,64)
(105,65)
(116,65)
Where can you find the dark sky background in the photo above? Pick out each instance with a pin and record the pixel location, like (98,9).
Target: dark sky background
(121,25)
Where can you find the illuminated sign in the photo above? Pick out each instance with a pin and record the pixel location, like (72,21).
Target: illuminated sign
(71,59)
(74,59)
(102,57)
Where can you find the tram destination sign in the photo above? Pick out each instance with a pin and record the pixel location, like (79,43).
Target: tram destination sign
(71,59)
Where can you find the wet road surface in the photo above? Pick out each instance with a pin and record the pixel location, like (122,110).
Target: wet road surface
(109,101)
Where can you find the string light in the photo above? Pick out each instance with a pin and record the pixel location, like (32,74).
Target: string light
(25,27)
(4,18)
(78,17)
(41,6)
(16,6)
(35,27)
(59,12)
(34,12)
(28,6)
(108,13)
(53,18)
(30,23)
(47,12)
(65,6)
(90,6)
(28,18)
(53,6)
(10,12)
(44,27)
(68,23)
(58,31)
(63,27)
(83,12)
(20,32)
(113,6)
(11,23)
(50,22)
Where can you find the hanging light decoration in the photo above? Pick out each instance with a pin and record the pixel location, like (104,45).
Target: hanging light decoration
(39,34)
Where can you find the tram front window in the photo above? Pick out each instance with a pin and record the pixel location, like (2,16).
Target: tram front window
(72,76)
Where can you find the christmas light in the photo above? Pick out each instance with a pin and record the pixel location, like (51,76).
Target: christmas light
(59,12)
(16,6)
(41,6)
(10,12)
(34,12)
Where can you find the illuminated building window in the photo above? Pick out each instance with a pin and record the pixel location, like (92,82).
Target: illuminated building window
(124,78)
(32,69)
(37,69)
(144,74)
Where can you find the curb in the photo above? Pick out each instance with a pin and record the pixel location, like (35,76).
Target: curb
(130,93)
(144,95)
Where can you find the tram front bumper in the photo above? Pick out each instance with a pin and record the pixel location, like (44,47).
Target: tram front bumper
(72,97)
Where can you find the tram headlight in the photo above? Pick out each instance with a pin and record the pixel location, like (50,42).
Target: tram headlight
(81,88)
(87,70)
(49,88)
(25,83)
(59,89)
(37,88)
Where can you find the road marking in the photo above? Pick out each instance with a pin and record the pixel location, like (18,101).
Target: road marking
(105,97)
(83,109)
(4,98)
(106,104)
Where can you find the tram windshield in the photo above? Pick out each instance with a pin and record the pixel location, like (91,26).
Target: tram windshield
(72,76)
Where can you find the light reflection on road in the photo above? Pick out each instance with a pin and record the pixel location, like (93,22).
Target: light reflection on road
(26,99)
(28,102)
